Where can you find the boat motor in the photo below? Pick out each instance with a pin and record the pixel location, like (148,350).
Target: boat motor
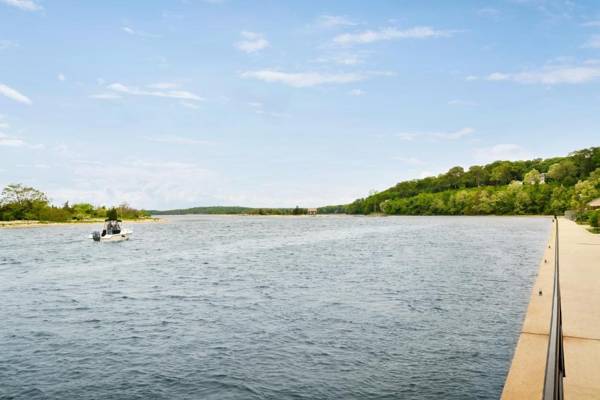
(96,236)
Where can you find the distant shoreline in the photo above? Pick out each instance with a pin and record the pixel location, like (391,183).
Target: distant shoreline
(40,224)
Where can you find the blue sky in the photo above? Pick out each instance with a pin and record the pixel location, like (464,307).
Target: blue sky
(168,104)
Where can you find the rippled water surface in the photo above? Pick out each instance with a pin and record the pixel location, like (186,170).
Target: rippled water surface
(207,307)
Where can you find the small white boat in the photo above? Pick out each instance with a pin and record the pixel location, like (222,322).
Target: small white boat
(112,232)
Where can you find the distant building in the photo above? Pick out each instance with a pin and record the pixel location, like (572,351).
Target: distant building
(542,178)
(594,204)
(311,211)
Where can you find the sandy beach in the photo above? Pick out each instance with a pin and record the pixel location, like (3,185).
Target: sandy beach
(41,224)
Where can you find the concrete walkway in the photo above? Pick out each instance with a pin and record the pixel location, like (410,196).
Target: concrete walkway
(580,289)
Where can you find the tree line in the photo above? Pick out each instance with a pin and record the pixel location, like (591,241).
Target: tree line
(539,186)
(18,202)
(232,210)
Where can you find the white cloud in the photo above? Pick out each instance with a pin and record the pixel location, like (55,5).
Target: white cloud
(501,152)
(454,135)
(14,94)
(142,183)
(333,21)
(551,75)
(134,32)
(252,42)
(27,5)
(419,32)
(9,141)
(7,44)
(592,24)
(187,104)
(259,109)
(488,12)
(134,91)
(61,77)
(302,79)
(171,139)
(356,92)
(342,59)
(593,42)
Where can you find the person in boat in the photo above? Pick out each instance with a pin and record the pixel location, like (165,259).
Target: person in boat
(111,228)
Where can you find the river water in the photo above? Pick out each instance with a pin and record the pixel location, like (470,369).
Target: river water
(225,307)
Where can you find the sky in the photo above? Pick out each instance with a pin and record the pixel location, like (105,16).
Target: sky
(169,104)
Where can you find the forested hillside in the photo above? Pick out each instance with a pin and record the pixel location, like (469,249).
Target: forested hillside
(539,186)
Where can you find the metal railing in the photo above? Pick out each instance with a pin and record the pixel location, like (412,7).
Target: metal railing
(555,361)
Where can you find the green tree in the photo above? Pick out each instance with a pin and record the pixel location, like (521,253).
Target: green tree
(563,172)
(22,202)
(532,177)
(19,194)
(454,176)
(111,214)
(479,175)
(501,174)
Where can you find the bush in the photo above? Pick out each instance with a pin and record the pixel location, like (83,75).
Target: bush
(594,219)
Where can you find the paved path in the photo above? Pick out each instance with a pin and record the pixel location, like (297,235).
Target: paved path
(580,289)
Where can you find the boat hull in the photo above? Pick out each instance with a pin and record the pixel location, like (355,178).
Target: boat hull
(117,237)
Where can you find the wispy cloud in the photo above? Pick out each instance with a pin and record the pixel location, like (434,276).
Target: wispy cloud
(356,92)
(551,75)
(593,42)
(259,109)
(10,141)
(7,44)
(334,21)
(459,102)
(171,139)
(252,42)
(134,32)
(498,152)
(592,24)
(187,104)
(342,58)
(61,77)
(302,79)
(452,135)
(170,93)
(13,94)
(488,12)
(140,182)
(26,5)
(418,32)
